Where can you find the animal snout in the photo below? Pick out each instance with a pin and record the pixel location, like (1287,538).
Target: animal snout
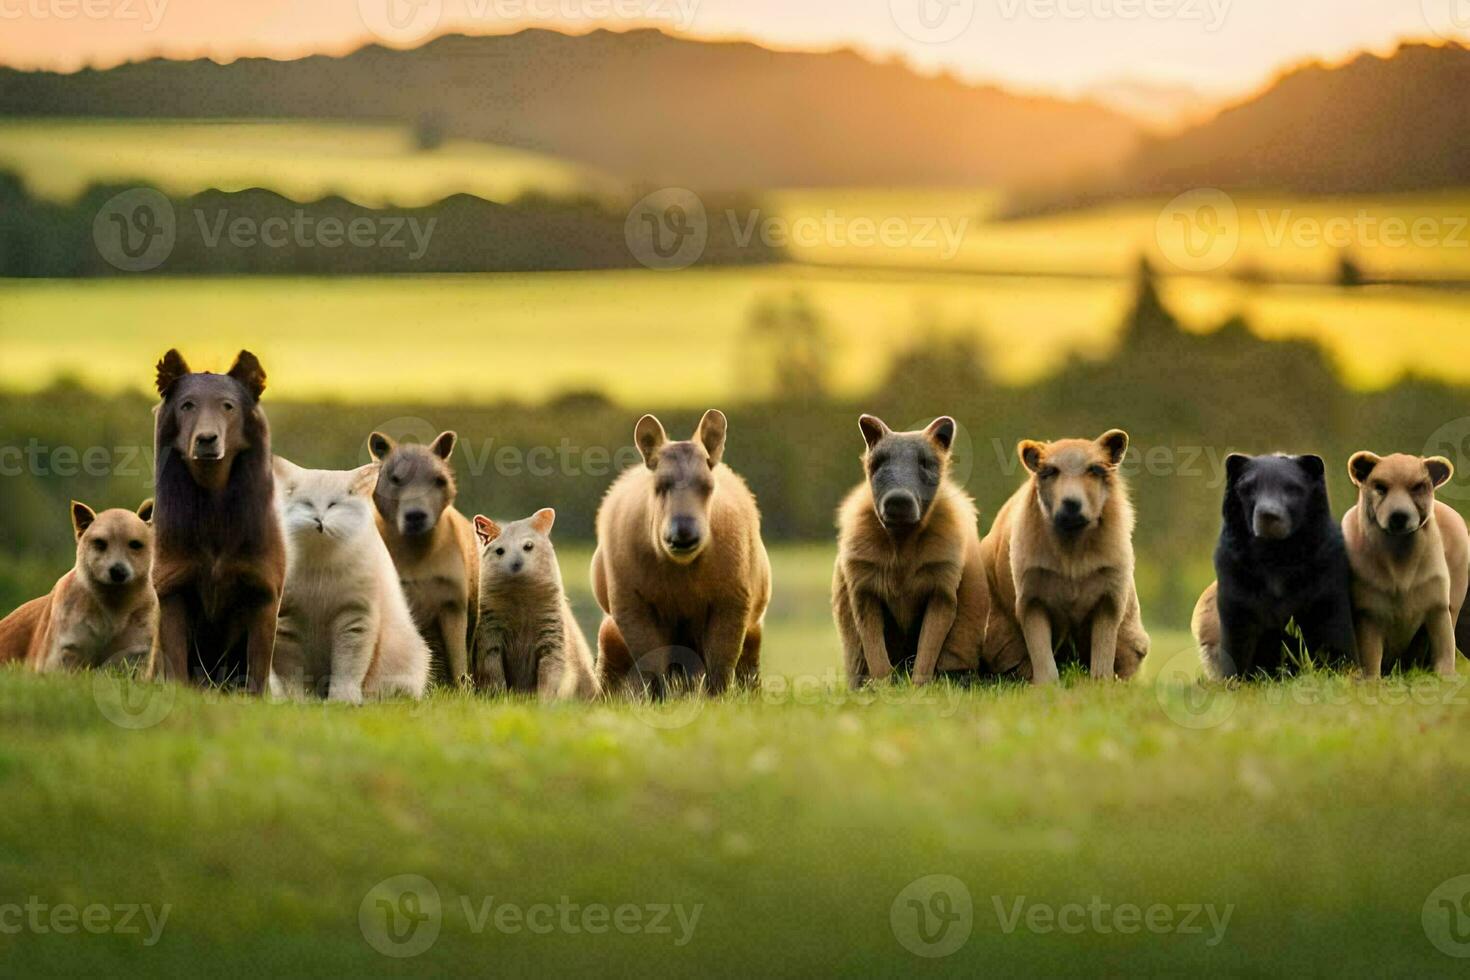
(415,521)
(516,566)
(682,534)
(1069,515)
(119,573)
(206,444)
(1400,521)
(900,507)
(1271,522)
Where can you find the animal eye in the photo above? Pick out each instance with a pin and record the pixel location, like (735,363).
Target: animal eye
(500,551)
(1380,488)
(98,544)
(187,407)
(228,406)
(441,483)
(530,546)
(1423,487)
(397,481)
(136,545)
(1047,472)
(1097,469)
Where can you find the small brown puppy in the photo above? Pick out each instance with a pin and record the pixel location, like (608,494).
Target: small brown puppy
(909,589)
(1060,564)
(1411,562)
(102,611)
(680,569)
(432,544)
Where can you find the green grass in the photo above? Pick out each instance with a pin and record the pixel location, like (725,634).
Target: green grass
(373,165)
(630,334)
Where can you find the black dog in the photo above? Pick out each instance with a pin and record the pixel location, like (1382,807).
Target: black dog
(220,558)
(1281,557)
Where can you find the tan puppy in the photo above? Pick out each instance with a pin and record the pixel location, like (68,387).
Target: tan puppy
(1411,562)
(909,588)
(1060,564)
(680,569)
(102,611)
(432,544)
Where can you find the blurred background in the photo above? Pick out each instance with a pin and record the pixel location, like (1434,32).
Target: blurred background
(1221,226)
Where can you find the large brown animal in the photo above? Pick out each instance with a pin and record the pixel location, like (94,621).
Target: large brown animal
(909,590)
(1059,559)
(432,544)
(1411,563)
(104,610)
(220,558)
(680,569)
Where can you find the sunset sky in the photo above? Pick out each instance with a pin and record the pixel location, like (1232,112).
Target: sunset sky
(1066,46)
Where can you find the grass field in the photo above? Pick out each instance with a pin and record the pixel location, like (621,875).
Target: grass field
(375,166)
(629,333)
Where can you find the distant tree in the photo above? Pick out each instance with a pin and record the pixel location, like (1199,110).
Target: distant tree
(787,350)
(944,363)
(1349,273)
(428,132)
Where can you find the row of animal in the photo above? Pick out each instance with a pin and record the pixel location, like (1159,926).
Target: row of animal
(352,583)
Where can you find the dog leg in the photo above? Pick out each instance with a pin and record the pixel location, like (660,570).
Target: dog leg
(169,660)
(748,670)
(1104,653)
(724,640)
(870,629)
(938,620)
(260,648)
(1036,625)
(1370,649)
(1441,627)
(1238,643)
(354,639)
(550,667)
(454,626)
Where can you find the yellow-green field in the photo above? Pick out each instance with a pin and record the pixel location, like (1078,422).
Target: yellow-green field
(655,338)
(375,166)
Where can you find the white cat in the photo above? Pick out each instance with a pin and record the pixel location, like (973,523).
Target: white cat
(344,618)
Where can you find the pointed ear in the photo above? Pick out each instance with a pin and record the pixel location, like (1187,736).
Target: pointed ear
(650,437)
(1313,464)
(443,447)
(379,446)
(170,369)
(82,517)
(145,511)
(711,435)
(365,480)
(248,372)
(1235,465)
(1440,470)
(941,432)
(873,429)
(486,529)
(1361,466)
(1115,443)
(542,520)
(1031,453)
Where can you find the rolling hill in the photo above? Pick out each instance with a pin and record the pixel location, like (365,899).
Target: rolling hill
(641,105)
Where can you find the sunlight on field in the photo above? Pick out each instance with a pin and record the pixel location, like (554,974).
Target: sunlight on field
(654,338)
(375,166)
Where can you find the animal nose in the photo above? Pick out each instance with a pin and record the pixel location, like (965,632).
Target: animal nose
(900,507)
(683,534)
(416,520)
(516,566)
(1270,522)
(206,439)
(1398,522)
(1071,506)
(118,573)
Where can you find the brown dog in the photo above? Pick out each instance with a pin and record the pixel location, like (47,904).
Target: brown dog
(680,569)
(909,589)
(1060,564)
(1411,563)
(220,558)
(432,544)
(104,610)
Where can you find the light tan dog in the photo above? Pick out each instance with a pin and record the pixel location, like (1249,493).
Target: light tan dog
(680,569)
(909,589)
(433,546)
(1411,562)
(101,612)
(1059,559)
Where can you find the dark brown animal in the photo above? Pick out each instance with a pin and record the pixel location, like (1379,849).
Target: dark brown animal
(101,612)
(680,569)
(1060,563)
(909,590)
(433,546)
(220,556)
